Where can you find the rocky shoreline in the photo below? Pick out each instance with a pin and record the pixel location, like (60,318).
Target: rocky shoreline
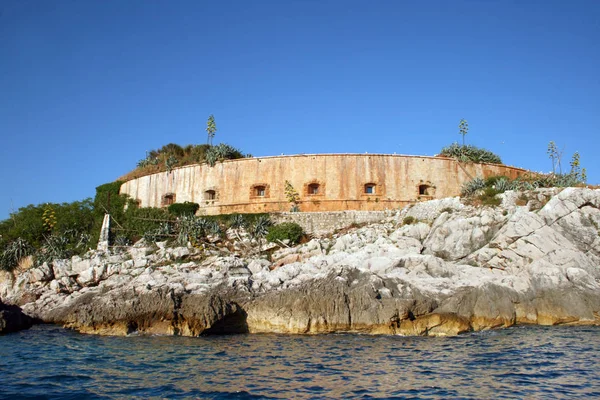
(457,268)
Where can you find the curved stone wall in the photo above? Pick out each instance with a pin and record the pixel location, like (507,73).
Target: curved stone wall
(325,182)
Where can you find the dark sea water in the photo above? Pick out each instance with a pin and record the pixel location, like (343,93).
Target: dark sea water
(521,362)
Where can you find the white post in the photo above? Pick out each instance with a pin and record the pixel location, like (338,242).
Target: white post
(103,242)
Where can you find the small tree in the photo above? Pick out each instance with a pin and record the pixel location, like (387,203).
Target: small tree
(211,128)
(292,196)
(463,129)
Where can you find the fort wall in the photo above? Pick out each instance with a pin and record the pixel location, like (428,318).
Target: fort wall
(325,182)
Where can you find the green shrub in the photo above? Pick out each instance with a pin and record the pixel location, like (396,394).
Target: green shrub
(148,221)
(409,220)
(286,230)
(27,223)
(187,208)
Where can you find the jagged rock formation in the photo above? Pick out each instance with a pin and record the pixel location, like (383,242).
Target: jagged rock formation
(459,268)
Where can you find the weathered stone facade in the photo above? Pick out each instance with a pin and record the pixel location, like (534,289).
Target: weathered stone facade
(325,182)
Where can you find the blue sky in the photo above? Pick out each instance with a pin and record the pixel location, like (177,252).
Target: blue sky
(89,86)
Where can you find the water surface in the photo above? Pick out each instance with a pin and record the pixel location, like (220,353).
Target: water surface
(531,362)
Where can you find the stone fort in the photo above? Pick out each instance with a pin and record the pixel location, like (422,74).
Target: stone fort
(324,182)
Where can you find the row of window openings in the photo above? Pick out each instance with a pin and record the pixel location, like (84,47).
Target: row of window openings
(169,198)
(313,188)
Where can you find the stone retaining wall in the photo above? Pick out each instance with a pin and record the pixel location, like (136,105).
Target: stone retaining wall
(322,223)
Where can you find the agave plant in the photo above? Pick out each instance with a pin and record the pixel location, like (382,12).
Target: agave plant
(567,180)
(503,184)
(122,241)
(190,228)
(14,252)
(469,188)
(170,162)
(163,232)
(20,248)
(468,153)
(237,221)
(260,228)
(77,238)
(214,228)
(221,152)
(211,157)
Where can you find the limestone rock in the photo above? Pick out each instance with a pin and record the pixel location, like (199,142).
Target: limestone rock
(455,236)
(458,269)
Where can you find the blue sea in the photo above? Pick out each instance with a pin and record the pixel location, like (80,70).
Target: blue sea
(48,362)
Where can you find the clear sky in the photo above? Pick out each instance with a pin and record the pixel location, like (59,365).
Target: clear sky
(87,87)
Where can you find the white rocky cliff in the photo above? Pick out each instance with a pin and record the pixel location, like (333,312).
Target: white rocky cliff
(457,268)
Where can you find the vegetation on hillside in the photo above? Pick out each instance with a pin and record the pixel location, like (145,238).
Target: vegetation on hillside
(46,231)
(57,231)
(173,155)
(486,190)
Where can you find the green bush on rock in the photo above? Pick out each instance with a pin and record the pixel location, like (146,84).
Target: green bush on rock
(285,231)
(409,220)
